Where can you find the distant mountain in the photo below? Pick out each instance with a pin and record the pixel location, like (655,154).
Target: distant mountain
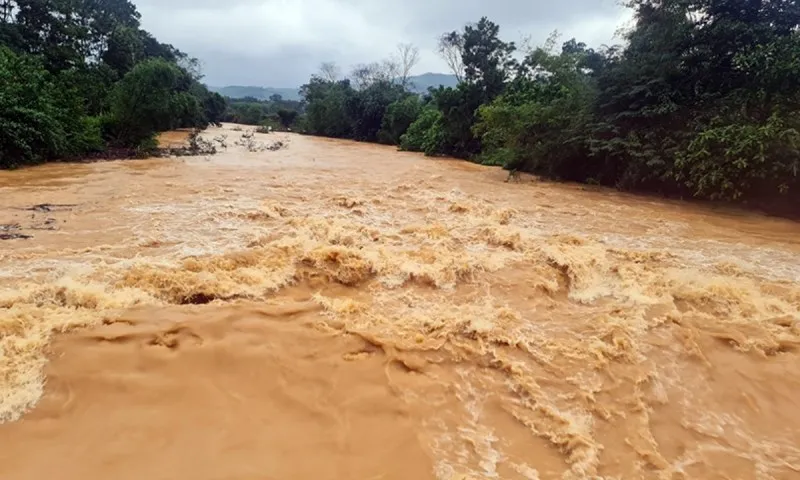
(261,93)
(419,83)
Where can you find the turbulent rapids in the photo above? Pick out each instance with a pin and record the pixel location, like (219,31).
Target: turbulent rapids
(339,310)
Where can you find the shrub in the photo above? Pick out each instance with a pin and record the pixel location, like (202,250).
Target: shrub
(425,134)
(398,118)
(729,160)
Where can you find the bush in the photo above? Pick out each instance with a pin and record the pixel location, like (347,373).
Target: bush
(147,147)
(398,118)
(89,137)
(730,160)
(425,134)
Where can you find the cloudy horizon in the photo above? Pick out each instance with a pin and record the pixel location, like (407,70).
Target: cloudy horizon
(280,43)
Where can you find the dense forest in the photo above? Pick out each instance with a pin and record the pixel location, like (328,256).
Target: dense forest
(81,78)
(700,100)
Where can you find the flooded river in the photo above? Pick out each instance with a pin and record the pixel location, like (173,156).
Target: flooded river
(338,310)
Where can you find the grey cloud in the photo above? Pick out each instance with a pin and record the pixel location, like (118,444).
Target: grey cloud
(282,42)
(289,67)
(434,17)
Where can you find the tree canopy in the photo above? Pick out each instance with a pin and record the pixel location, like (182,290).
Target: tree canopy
(78,76)
(701,99)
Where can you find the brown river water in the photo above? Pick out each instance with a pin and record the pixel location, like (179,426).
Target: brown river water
(335,310)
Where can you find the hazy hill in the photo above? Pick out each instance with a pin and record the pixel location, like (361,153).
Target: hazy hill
(261,93)
(420,83)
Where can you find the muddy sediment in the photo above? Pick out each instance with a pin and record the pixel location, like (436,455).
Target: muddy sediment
(342,310)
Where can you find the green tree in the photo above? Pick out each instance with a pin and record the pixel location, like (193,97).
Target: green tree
(327,111)
(39,121)
(91,83)
(72,69)
(540,124)
(425,134)
(67,32)
(287,118)
(694,72)
(148,100)
(214,107)
(487,64)
(398,118)
(368,106)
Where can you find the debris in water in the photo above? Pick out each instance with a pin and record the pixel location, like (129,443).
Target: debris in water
(49,207)
(48,224)
(10,231)
(248,141)
(274,147)
(197,146)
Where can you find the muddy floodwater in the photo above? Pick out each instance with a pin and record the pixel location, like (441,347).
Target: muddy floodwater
(335,310)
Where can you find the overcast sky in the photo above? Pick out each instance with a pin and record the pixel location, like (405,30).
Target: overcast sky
(280,43)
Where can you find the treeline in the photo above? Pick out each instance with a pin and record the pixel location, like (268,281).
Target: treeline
(81,78)
(276,112)
(702,99)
